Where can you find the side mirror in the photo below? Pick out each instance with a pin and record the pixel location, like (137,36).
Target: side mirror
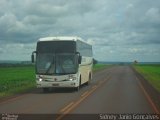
(79,59)
(32,57)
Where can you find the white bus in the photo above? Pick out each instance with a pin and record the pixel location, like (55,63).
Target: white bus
(62,62)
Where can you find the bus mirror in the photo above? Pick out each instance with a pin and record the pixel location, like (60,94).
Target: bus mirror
(79,59)
(32,58)
(78,53)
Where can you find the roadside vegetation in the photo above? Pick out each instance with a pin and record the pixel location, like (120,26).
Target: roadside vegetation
(150,73)
(18,78)
(98,67)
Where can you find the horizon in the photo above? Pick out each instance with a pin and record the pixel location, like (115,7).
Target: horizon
(19,61)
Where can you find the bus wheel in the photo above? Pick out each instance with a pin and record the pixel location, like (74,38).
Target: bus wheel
(45,90)
(89,80)
(77,88)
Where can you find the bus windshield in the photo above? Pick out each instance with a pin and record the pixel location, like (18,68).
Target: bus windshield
(56,64)
(66,64)
(45,63)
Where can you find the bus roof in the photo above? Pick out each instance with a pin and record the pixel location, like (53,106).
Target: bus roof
(63,38)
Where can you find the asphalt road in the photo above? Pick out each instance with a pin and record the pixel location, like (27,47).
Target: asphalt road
(113,90)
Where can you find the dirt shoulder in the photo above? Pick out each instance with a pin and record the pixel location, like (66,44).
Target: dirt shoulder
(152,92)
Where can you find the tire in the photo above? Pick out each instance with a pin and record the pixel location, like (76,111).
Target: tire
(89,80)
(77,88)
(45,90)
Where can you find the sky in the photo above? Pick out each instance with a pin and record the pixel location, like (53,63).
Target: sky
(119,30)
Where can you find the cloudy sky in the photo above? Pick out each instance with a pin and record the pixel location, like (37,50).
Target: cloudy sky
(119,30)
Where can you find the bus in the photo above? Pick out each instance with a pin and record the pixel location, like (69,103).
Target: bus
(62,62)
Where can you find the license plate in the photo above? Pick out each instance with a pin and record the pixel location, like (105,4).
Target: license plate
(55,84)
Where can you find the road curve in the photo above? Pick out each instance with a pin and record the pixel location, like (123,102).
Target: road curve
(113,90)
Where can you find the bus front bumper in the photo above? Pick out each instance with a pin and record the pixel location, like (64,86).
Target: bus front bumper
(44,84)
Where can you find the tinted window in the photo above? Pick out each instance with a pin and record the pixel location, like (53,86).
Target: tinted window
(56,47)
(84,49)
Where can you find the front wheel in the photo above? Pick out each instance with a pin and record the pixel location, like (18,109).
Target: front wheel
(45,90)
(89,80)
(78,87)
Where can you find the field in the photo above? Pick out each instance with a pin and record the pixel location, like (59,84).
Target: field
(17,79)
(99,67)
(151,73)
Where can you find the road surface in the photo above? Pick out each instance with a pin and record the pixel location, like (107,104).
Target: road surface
(112,90)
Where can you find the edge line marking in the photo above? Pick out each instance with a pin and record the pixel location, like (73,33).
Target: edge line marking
(153,106)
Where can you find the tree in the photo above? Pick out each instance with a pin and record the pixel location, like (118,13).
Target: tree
(135,62)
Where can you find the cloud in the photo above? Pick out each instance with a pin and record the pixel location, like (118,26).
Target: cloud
(153,15)
(116,27)
(1,51)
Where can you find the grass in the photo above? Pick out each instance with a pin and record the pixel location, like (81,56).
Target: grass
(151,73)
(19,79)
(16,79)
(98,67)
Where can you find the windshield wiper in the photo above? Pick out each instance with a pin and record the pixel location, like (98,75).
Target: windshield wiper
(50,66)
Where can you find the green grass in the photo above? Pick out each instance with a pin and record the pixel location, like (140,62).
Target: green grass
(16,79)
(151,73)
(97,67)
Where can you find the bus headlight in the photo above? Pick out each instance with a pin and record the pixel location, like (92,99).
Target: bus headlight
(40,79)
(71,78)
